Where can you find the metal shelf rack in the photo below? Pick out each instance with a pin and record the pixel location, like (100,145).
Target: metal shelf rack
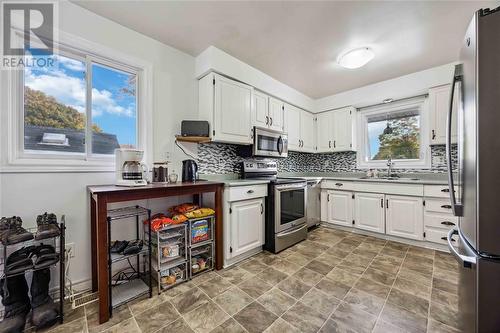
(201,250)
(140,285)
(58,242)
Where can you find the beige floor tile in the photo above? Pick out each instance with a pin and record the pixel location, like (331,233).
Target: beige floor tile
(320,301)
(190,300)
(127,326)
(365,301)
(229,326)
(273,276)
(340,275)
(410,302)
(412,287)
(372,287)
(215,286)
(178,326)
(308,276)
(233,300)
(276,301)
(332,288)
(294,287)
(281,326)
(157,317)
(304,318)
(354,317)
(380,276)
(206,317)
(255,318)
(254,287)
(403,318)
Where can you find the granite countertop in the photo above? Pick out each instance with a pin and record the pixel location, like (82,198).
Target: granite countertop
(232,179)
(405,178)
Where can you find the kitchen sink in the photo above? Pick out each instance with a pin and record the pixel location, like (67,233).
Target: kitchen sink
(388,178)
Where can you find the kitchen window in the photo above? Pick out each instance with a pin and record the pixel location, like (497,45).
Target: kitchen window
(76,112)
(396,131)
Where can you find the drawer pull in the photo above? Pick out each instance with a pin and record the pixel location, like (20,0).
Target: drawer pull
(446,206)
(250,191)
(447,223)
(339,184)
(446,238)
(445,190)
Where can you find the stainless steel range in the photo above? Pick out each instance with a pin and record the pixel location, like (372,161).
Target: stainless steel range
(286,205)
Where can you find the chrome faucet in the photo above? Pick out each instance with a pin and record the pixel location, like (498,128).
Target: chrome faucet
(390,164)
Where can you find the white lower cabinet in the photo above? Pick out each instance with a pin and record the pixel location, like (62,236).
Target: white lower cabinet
(339,207)
(369,212)
(247,225)
(404,216)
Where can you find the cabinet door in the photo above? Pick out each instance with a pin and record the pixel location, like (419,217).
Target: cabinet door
(247,225)
(292,126)
(324,126)
(307,133)
(261,109)
(340,207)
(275,114)
(343,129)
(405,216)
(439,100)
(233,111)
(369,212)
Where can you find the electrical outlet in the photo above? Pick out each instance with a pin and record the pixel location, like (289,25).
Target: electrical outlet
(70,248)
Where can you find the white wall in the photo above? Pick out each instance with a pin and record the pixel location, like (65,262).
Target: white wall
(174,99)
(401,87)
(213,59)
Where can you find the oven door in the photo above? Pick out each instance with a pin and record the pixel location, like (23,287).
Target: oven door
(270,143)
(290,206)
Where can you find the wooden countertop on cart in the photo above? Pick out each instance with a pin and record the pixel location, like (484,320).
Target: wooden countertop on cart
(105,189)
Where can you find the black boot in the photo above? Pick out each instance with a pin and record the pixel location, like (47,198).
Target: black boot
(45,312)
(14,292)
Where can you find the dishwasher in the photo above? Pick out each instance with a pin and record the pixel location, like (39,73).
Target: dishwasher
(313,202)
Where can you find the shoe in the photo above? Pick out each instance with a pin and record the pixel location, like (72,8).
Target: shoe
(15,299)
(44,256)
(12,232)
(118,246)
(47,226)
(45,312)
(133,247)
(19,261)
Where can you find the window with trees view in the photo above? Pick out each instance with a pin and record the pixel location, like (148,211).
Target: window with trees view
(80,106)
(393,131)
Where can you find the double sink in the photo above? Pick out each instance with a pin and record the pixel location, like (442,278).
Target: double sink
(388,178)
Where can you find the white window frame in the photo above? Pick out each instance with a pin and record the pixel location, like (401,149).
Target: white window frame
(419,104)
(12,122)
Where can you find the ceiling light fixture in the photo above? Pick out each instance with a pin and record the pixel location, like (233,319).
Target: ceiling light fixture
(356,58)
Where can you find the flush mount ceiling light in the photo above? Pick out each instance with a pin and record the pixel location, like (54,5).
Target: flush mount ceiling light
(356,58)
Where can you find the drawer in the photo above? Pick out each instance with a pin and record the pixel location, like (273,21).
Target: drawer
(438,206)
(438,191)
(437,235)
(436,220)
(388,188)
(237,193)
(337,185)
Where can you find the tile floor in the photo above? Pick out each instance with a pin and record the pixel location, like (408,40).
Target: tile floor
(335,281)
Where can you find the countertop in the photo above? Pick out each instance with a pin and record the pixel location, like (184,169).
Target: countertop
(96,189)
(413,179)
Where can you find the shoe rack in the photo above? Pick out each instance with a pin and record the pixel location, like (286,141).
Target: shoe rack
(58,242)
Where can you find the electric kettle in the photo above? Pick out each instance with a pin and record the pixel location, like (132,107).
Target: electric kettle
(189,171)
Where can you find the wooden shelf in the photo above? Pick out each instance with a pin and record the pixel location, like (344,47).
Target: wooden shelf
(195,139)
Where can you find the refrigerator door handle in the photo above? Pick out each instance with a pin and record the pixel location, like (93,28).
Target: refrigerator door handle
(465,261)
(457,207)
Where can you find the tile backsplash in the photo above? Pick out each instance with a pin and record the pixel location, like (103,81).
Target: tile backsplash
(220,158)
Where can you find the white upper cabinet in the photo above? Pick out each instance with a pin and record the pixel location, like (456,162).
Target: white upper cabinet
(300,126)
(307,132)
(292,126)
(405,216)
(276,114)
(336,130)
(369,213)
(439,101)
(261,109)
(227,105)
(268,112)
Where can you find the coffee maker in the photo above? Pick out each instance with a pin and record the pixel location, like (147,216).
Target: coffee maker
(130,171)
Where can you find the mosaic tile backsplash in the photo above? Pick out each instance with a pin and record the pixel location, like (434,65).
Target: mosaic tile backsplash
(219,158)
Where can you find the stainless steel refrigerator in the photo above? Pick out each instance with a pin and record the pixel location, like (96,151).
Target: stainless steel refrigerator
(475,193)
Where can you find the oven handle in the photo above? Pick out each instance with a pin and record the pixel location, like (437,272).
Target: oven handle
(281,188)
(284,234)
(280,145)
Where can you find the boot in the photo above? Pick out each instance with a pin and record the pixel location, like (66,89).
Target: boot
(14,292)
(47,226)
(12,232)
(45,312)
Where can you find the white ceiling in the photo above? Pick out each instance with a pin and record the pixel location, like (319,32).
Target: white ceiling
(298,42)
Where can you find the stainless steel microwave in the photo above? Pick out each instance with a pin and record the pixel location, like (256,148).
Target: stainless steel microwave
(269,143)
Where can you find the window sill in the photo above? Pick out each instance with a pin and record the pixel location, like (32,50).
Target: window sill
(56,166)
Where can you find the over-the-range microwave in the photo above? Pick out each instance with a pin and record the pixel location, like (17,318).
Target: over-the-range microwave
(269,143)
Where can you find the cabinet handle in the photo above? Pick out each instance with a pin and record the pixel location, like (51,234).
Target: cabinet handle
(328,198)
(334,143)
(386,203)
(446,238)
(382,203)
(261,209)
(270,121)
(339,184)
(329,143)
(433,134)
(250,191)
(447,223)
(267,120)
(446,206)
(445,190)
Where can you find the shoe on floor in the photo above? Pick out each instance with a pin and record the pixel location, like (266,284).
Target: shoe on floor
(15,299)
(47,226)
